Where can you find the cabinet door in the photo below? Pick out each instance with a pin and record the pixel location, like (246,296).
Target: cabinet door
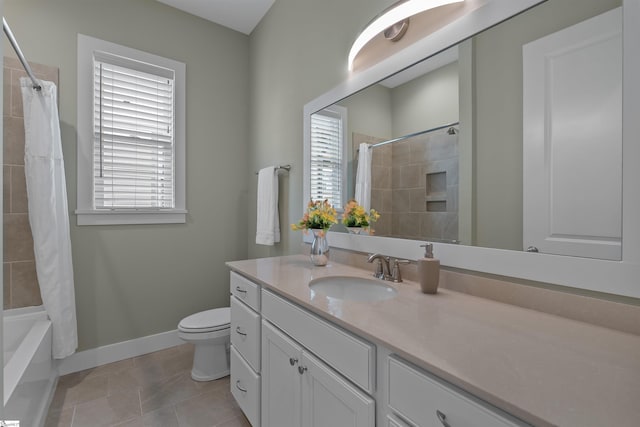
(281,405)
(328,400)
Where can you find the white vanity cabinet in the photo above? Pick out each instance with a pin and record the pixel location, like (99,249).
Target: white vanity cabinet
(300,390)
(292,368)
(245,346)
(426,401)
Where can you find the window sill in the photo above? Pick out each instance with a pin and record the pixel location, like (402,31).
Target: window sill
(95,217)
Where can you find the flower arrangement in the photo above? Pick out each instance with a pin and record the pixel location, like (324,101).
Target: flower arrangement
(355,215)
(320,215)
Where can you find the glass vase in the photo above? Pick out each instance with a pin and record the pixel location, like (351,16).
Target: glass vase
(319,248)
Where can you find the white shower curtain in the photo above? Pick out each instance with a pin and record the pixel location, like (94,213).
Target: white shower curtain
(363,176)
(48,214)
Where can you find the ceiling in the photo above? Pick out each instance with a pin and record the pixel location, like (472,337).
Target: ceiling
(239,15)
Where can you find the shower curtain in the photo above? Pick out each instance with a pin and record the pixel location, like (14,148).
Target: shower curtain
(48,215)
(363,176)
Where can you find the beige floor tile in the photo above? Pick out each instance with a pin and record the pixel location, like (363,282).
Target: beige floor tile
(240,421)
(206,410)
(60,418)
(171,391)
(152,390)
(163,417)
(74,389)
(107,411)
(221,384)
(110,368)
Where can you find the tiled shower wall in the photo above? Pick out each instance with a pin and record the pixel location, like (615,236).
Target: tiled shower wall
(425,187)
(414,186)
(20,282)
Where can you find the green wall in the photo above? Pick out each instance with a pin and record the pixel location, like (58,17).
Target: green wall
(133,281)
(298,52)
(426,102)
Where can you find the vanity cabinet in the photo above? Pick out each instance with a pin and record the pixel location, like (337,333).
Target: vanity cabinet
(292,368)
(245,346)
(300,390)
(426,401)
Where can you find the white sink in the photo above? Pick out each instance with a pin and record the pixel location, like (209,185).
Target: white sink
(352,288)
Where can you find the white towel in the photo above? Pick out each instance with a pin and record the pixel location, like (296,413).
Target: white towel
(268,222)
(363,176)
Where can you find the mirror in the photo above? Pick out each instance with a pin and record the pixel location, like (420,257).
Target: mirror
(590,273)
(465,182)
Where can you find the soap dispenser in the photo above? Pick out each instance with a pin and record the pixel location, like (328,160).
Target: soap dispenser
(428,270)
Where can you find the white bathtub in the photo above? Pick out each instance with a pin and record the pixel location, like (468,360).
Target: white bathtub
(30,376)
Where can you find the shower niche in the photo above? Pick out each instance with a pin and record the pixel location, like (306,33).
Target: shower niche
(436,194)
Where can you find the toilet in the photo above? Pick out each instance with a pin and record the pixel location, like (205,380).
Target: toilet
(209,332)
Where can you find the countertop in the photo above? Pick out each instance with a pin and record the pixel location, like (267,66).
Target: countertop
(544,369)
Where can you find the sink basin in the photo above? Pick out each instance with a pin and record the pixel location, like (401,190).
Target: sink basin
(352,288)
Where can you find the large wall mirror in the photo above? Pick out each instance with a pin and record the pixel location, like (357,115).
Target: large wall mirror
(507,141)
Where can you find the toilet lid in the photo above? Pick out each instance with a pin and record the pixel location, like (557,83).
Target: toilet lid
(210,320)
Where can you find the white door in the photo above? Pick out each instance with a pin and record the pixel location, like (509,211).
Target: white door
(572,117)
(281,383)
(329,400)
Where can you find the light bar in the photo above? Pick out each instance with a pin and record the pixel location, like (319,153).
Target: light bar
(399,13)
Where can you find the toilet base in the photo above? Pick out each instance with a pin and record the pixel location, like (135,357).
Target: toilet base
(210,360)
(197,376)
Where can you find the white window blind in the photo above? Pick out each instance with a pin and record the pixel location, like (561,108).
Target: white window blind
(326,157)
(133,132)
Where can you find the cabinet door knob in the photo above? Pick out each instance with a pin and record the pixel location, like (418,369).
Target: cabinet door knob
(239,289)
(301,369)
(443,418)
(239,331)
(293,361)
(244,390)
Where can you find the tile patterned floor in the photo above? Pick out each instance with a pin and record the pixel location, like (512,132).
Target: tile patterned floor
(153,390)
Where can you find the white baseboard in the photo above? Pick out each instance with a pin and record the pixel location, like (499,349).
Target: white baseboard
(119,351)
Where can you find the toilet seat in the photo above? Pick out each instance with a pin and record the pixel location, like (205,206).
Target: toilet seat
(217,319)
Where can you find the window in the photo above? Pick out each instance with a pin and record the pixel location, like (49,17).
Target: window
(131,138)
(328,180)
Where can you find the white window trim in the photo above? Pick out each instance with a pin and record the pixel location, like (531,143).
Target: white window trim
(86,214)
(343,113)
(339,113)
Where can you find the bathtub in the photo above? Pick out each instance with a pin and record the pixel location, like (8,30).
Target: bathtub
(30,376)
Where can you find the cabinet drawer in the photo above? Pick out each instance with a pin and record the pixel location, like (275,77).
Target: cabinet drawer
(245,387)
(422,399)
(245,290)
(351,356)
(245,332)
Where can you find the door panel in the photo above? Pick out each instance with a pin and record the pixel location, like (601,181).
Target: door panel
(281,403)
(329,400)
(573,140)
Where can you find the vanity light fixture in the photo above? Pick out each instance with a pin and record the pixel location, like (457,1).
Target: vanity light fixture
(396,14)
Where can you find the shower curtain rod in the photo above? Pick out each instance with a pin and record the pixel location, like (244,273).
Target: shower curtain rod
(411,135)
(21,57)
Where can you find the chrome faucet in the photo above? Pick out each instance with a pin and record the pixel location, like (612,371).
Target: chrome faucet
(395,272)
(382,269)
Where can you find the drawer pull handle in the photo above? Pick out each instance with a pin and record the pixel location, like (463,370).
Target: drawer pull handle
(293,361)
(239,331)
(239,289)
(443,418)
(244,390)
(301,369)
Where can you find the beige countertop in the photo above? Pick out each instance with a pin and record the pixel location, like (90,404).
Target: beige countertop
(544,369)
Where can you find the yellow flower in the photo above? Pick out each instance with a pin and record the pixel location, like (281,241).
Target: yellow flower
(355,216)
(320,215)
